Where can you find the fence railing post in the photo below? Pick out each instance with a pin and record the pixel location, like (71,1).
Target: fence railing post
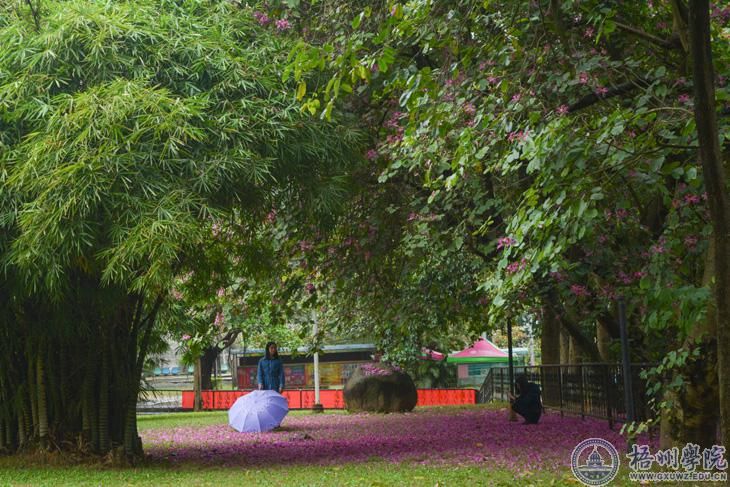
(582,393)
(560,388)
(607,388)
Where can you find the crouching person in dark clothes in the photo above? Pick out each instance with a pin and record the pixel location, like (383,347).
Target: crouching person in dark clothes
(528,403)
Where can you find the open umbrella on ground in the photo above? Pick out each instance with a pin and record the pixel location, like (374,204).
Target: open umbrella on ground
(258,411)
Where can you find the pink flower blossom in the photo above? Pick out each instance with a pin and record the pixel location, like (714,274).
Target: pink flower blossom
(558,276)
(470,109)
(601,90)
(283,24)
(372,154)
(505,242)
(517,136)
(186,337)
(691,199)
(580,290)
(690,241)
(492,80)
(583,78)
(219,320)
(516,266)
(684,98)
(589,32)
(562,110)
(394,139)
(372,369)
(516,97)
(271,216)
(625,278)
(221,292)
(261,18)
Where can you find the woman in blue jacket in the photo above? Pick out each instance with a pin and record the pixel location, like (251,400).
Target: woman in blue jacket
(270,374)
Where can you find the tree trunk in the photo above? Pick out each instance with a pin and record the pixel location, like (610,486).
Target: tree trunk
(564,347)
(207,362)
(717,192)
(103,420)
(2,435)
(32,394)
(550,349)
(574,356)
(86,415)
(603,341)
(21,430)
(550,338)
(42,406)
(198,401)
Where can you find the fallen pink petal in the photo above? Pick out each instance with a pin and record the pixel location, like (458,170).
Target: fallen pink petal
(439,436)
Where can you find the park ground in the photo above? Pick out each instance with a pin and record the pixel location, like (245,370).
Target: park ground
(473,445)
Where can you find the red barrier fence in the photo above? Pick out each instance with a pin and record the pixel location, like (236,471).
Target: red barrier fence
(330,399)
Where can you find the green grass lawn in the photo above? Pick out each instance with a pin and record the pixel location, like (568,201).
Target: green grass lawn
(53,469)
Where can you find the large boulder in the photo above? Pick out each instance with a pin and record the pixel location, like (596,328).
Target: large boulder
(379,388)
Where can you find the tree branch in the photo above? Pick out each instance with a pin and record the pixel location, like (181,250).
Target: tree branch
(594,98)
(666,44)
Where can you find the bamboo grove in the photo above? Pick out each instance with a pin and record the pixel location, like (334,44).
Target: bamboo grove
(129,132)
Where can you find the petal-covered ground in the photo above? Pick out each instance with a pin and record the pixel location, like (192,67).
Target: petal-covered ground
(427,436)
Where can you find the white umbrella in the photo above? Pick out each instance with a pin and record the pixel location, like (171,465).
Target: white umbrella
(258,411)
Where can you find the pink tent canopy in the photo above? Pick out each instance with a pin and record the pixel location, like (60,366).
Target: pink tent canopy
(428,354)
(481,351)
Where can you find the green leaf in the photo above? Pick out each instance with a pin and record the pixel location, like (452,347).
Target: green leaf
(301,90)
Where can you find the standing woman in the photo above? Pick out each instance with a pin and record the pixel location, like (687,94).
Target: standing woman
(270,373)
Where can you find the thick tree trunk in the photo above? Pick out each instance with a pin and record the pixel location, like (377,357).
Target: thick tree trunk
(564,347)
(550,338)
(550,350)
(603,341)
(717,191)
(207,362)
(698,402)
(574,354)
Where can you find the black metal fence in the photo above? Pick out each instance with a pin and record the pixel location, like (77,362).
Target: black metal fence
(592,389)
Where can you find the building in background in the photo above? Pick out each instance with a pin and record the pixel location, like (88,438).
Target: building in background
(336,364)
